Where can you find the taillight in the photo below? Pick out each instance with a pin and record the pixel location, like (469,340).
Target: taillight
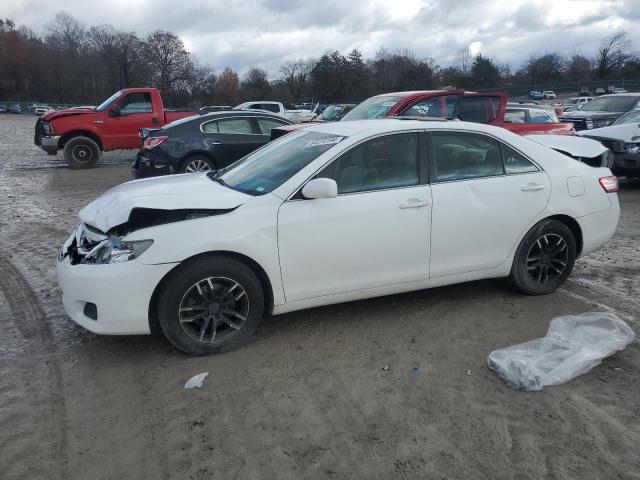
(152,142)
(610,184)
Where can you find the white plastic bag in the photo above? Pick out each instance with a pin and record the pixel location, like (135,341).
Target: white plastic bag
(196,380)
(574,344)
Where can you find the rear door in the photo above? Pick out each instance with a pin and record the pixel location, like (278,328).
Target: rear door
(485,195)
(231,138)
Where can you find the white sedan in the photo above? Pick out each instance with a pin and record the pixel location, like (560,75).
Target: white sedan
(332,213)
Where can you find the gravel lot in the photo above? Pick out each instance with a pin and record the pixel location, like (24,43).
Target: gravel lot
(308,398)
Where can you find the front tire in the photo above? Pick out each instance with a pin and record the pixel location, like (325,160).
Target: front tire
(210,304)
(81,152)
(544,259)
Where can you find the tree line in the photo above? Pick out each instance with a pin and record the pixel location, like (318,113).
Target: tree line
(73,63)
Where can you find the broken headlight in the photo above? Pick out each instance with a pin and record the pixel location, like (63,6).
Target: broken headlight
(88,246)
(116,250)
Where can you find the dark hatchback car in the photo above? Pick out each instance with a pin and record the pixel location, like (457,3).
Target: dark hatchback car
(203,143)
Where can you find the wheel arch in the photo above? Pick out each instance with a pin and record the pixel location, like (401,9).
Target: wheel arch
(260,272)
(79,133)
(574,226)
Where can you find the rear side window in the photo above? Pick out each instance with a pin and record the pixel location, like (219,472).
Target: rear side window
(235,125)
(386,162)
(477,109)
(514,162)
(266,124)
(270,107)
(461,156)
(210,127)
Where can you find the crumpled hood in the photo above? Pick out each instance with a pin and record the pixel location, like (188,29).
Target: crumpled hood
(573,145)
(173,192)
(628,132)
(67,112)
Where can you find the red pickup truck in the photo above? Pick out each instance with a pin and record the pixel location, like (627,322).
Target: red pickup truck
(83,133)
(486,108)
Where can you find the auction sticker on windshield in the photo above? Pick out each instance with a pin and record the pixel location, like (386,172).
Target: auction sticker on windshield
(323,141)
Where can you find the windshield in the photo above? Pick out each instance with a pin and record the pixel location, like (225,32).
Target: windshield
(375,107)
(631,117)
(269,167)
(610,104)
(331,113)
(104,105)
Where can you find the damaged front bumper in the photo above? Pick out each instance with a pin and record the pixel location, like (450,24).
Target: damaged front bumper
(110,299)
(104,288)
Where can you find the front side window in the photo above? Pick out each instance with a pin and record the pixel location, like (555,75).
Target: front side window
(440,106)
(269,167)
(136,103)
(515,162)
(461,156)
(374,107)
(266,124)
(270,107)
(234,126)
(386,162)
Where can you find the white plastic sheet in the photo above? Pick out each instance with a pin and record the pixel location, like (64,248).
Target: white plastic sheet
(574,344)
(196,380)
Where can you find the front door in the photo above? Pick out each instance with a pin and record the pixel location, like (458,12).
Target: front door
(375,233)
(485,195)
(135,112)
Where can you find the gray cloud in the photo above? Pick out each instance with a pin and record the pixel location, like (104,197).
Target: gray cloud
(243,33)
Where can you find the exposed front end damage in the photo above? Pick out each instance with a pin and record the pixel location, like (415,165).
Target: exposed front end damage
(89,245)
(584,150)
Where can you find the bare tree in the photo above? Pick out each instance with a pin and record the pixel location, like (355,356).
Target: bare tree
(464,60)
(296,76)
(255,84)
(614,52)
(171,65)
(67,34)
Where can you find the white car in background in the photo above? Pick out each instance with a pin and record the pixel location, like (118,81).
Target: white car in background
(295,116)
(575,103)
(332,213)
(550,94)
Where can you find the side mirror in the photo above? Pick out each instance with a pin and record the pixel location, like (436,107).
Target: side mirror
(115,111)
(320,188)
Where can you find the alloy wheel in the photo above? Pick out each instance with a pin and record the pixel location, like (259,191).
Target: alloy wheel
(547,258)
(213,309)
(198,165)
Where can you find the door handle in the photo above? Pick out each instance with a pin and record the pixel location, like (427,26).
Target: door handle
(215,142)
(414,203)
(154,120)
(98,122)
(532,187)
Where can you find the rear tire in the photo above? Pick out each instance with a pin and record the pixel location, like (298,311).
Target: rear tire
(198,163)
(544,259)
(210,304)
(81,152)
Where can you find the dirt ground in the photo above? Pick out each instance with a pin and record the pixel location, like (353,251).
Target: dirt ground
(308,397)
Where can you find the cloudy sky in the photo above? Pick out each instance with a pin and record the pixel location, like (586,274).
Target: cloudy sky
(266,33)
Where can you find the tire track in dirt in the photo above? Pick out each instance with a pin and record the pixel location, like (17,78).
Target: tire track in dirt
(45,388)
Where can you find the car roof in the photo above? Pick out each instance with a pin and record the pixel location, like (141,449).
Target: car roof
(391,125)
(409,93)
(628,94)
